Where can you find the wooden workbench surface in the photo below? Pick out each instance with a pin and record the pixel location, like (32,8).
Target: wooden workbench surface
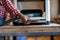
(52,29)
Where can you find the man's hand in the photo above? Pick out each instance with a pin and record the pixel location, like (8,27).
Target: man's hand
(26,20)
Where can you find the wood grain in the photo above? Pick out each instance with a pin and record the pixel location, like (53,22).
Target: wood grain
(22,30)
(38,38)
(56,37)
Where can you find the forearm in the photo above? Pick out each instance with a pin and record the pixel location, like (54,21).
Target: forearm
(21,15)
(11,9)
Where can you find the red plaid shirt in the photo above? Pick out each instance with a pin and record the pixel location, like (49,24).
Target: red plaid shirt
(7,6)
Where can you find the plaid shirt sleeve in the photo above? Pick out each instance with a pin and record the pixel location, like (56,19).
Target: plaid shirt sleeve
(9,7)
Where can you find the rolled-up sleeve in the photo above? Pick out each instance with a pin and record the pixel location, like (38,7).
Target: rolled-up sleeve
(10,7)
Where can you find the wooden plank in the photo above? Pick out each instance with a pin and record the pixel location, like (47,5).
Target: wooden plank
(30,29)
(52,29)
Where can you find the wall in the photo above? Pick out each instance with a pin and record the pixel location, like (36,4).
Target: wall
(54,8)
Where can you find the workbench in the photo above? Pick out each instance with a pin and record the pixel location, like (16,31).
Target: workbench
(30,30)
(52,29)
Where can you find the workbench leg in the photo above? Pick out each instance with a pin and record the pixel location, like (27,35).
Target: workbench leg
(2,38)
(14,38)
(52,37)
(19,37)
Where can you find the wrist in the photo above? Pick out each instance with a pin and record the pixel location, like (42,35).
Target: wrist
(21,16)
